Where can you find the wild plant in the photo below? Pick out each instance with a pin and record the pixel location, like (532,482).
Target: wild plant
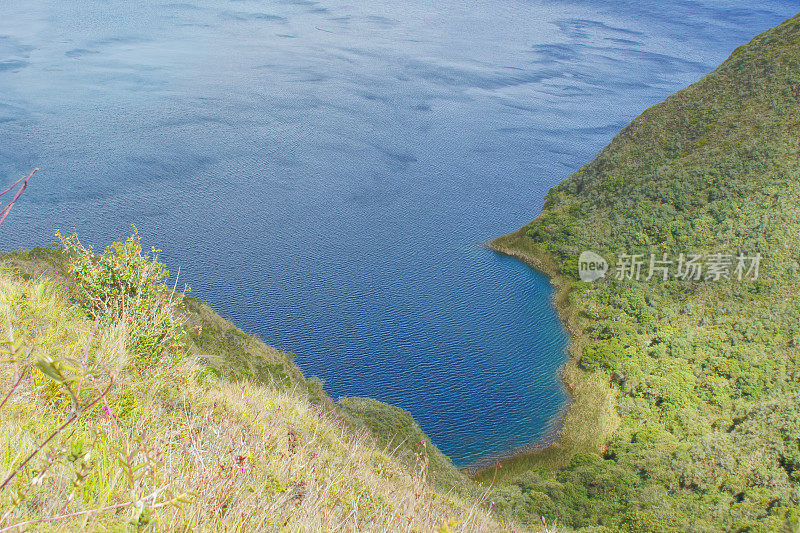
(125,286)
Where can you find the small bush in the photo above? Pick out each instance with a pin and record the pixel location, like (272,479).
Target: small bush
(124,286)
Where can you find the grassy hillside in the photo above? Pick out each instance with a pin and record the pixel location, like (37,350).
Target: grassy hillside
(704,374)
(127,407)
(395,429)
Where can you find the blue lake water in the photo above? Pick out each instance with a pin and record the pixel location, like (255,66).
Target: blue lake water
(324,172)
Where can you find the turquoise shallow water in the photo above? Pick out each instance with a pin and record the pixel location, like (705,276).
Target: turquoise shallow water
(325,172)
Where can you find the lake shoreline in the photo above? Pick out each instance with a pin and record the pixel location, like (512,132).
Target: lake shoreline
(550,437)
(589,417)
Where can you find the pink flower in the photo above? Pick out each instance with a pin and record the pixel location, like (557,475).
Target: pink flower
(108,411)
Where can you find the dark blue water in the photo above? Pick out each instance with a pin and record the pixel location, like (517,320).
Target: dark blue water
(323,172)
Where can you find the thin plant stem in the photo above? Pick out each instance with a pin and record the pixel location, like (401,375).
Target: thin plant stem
(16,383)
(7,208)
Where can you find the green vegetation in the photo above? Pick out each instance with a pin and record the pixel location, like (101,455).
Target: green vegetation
(122,286)
(703,374)
(125,406)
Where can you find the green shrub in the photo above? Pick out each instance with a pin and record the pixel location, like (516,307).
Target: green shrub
(124,287)
(602,354)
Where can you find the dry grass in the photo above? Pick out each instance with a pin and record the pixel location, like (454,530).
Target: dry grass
(173,448)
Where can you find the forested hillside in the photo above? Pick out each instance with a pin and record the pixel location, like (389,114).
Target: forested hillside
(703,367)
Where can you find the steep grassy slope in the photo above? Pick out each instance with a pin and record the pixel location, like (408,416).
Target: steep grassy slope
(223,434)
(396,430)
(704,374)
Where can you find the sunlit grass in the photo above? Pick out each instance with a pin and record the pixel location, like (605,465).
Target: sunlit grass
(173,447)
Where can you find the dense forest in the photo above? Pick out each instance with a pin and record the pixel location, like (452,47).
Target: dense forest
(703,368)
